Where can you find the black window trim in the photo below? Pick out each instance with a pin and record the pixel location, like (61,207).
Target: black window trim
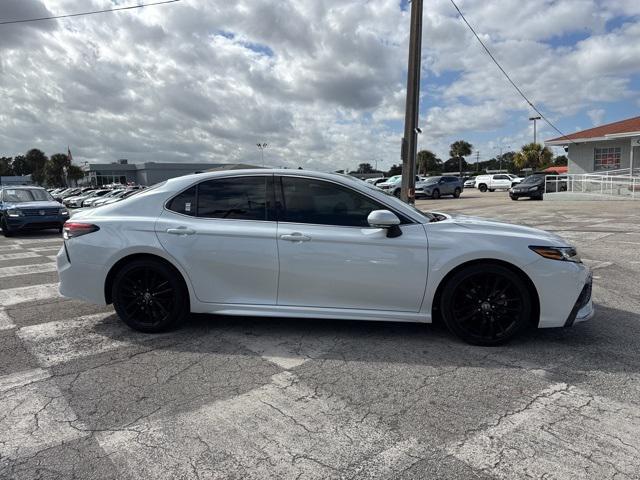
(270,211)
(404,219)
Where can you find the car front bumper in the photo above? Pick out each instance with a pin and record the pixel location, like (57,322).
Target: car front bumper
(36,222)
(525,194)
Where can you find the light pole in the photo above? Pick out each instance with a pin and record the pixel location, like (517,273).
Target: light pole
(261,147)
(535,125)
(500,157)
(411,130)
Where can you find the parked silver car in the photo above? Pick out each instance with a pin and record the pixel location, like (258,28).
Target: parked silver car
(435,187)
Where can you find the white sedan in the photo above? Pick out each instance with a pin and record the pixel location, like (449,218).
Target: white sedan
(281,243)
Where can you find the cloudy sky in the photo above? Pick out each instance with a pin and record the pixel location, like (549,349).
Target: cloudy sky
(321,81)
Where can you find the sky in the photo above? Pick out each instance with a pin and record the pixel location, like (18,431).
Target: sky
(322,82)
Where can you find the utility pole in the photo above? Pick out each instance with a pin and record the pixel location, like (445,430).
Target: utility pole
(535,130)
(261,147)
(478,161)
(411,130)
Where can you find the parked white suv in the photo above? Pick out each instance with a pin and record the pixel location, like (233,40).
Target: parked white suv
(494,182)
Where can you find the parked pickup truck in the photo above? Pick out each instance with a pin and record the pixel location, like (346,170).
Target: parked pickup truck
(500,181)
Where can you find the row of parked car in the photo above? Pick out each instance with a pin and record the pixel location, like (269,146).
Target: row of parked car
(426,187)
(83,197)
(532,186)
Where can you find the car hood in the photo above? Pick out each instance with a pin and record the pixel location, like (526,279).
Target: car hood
(33,205)
(482,225)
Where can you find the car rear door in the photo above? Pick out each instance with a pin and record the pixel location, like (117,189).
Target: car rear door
(501,181)
(331,258)
(222,233)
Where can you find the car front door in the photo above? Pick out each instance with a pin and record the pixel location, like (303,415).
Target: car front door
(222,234)
(331,258)
(501,181)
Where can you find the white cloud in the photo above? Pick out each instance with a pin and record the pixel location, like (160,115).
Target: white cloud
(321,81)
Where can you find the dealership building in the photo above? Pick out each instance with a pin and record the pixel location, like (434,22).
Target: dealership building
(146,174)
(615,146)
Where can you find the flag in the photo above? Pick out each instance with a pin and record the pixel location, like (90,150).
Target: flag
(69,154)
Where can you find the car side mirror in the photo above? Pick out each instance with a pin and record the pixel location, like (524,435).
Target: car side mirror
(385,219)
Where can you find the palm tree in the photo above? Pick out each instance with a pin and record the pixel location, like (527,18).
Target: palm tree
(428,162)
(533,155)
(459,150)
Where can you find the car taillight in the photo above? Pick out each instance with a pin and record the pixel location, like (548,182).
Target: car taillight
(77,229)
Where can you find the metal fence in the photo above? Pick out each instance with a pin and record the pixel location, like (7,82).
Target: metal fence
(601,185)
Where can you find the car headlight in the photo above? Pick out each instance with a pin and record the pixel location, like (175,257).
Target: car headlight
(14,212)
(63,211)
(566,254)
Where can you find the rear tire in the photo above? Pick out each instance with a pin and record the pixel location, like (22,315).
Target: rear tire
(435,194)
(492,189)
(482,188)
(149,296)
(486,304)
(456,193)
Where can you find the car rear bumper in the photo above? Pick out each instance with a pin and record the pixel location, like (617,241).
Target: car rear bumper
(80,280)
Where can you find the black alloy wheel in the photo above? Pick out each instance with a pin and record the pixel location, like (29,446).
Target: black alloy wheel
(435,194)
(149,297)
(457,192)
(486,304)
(482,188)
(396,193)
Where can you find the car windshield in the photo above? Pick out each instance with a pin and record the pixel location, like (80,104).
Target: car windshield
(26,195)
(533,179)
(431,180)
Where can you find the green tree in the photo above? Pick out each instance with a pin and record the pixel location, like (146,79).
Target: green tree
(428,163)
(6,169)
(74,173)
(394,170)
(36,163)
(365,168)
(456,164)
(533,155)
(20,166)
(561,161)
(55,167)
(458,150)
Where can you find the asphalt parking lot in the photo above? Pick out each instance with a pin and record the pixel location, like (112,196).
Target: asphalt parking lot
(81,396)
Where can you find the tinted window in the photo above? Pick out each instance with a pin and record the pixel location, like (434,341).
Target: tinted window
(241,198)
(306,200)
(501,177)
(184,203)
(452,179)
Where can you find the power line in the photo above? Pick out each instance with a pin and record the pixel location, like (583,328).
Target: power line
(507,75)
(94,12)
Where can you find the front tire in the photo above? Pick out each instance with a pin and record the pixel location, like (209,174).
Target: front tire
(482,188)
(486,304)
(396,193)
(456,193)
(513,198)
(5,228)
(435,194)
(149,296)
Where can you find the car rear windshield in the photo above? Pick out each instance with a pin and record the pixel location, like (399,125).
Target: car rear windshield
(26,195)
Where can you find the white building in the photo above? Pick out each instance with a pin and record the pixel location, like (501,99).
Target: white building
(615,146)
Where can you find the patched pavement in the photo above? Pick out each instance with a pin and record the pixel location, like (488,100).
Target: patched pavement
(82,396)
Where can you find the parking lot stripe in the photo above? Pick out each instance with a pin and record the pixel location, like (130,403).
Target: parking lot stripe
(54,343)
(14,296)
(283,429)
(52,248)
(27,269)
(5,322)
(40,415)
(31,241)
(551,434)
(17,256)
(20,379)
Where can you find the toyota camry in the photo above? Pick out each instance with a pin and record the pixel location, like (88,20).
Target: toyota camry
(282,243)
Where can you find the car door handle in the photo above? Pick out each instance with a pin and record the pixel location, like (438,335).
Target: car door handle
(181,231)
(295,237)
